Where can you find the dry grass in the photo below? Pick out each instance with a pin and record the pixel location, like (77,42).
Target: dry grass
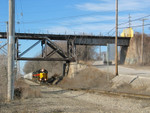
(86,62)
(3,78)
(89,78)
(93,78)
(23,90)
(128,88)
(124,87)
(3,88)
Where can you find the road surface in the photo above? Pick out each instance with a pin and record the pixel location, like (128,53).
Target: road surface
(122,70)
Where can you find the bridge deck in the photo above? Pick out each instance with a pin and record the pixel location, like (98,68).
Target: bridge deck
(79,39)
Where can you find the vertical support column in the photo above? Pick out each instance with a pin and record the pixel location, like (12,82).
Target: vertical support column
(116,40)
(68,48)
(11,39)
(17,47)
(42,48)
(86,50)
(123,54)
(16,61)
(72,49)
(7,29)
(45,48)
(66,68)
(75,54)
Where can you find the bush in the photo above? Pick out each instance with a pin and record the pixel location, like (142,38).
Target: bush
(24,91)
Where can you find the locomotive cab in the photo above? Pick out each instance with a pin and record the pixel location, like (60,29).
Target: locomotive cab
(41,75)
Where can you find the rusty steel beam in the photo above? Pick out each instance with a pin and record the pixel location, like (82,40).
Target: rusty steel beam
(72,41)
(79,39)
(51,53)
(56,48)
(46,59)
(3,45)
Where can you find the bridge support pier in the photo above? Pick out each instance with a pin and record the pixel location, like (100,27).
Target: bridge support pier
(123,54)
(72,69)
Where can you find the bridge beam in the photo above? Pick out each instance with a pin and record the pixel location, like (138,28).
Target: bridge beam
(101,41)
(79,39)
(46,59)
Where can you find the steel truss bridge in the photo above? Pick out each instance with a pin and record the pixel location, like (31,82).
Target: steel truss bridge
(48,41)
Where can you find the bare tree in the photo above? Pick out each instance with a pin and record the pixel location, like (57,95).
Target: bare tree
(85,53)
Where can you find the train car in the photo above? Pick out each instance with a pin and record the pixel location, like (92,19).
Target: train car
(28,76)
(40,75)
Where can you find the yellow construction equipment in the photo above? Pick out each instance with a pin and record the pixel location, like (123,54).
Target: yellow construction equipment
(127,32)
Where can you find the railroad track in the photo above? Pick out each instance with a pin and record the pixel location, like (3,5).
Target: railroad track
(103,92)
(111,93)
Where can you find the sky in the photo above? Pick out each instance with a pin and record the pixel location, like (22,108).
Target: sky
(95,17)
(74,16)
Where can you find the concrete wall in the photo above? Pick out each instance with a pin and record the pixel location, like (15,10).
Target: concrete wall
(74,68)
(134,51)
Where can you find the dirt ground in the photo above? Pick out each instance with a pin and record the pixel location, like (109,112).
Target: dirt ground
(38,98)
(57,100)
(143,71)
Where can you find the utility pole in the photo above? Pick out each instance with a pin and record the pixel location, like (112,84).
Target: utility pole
(11,40)
(142,42)
(116,41)
(129,21)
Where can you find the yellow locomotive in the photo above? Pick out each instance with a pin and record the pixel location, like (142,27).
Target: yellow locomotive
(40,75)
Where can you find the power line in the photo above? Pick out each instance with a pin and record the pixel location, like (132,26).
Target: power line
(128,22)
(134,26)
(135,19)
(131,26)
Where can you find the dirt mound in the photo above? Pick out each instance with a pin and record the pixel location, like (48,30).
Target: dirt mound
(93,78)
(89,78)
(23,90)
(135,87)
